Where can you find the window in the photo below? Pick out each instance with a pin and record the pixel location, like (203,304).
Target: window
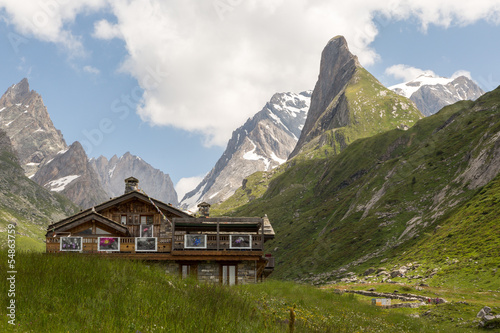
(229,275)
(124,219)
(188,269)
(148,219)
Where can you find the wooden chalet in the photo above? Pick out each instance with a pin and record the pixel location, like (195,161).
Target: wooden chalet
(135,226)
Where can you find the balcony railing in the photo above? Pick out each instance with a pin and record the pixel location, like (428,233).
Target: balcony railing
(224,243)
(163,244)
(127,245)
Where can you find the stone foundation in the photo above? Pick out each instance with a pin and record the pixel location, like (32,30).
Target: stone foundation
(209,271)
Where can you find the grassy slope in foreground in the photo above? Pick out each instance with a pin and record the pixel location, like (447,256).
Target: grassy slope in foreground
(380,197)
(87,294)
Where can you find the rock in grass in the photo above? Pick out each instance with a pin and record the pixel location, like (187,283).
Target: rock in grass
(484,312)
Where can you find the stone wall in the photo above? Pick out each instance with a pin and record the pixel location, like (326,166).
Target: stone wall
(246,272)
(172,268)
(208,271)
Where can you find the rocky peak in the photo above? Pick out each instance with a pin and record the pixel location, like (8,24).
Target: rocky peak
(337,68)
(431,93)
(16,93)
(154,182)
(348,103)
(261,144)
(26,121)
(71,174)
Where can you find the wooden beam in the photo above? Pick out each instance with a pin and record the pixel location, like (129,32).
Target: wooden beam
(218,241)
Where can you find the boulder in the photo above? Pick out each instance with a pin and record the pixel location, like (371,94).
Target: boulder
(484,312)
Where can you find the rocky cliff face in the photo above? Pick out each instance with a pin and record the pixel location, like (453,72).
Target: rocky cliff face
(71,174)
(349,103)
(25,119)
(431,94)
(152,181)
(261,144)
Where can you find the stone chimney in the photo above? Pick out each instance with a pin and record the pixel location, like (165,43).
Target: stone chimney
(204,209)
(131,184)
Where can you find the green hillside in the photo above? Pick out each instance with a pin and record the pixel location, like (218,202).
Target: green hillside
(383,198)
(25,203)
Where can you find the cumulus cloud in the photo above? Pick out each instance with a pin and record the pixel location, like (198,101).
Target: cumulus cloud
(49,21)
(184,185)
(206,66)
(407,73)
(461,73)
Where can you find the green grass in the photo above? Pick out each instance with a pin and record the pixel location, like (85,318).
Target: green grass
(75,293)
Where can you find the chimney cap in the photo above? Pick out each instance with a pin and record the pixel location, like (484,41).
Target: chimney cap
(203,204)
(131,180)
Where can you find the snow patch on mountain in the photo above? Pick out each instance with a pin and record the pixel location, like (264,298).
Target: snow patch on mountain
(430,93)
(60,184)
(407,89)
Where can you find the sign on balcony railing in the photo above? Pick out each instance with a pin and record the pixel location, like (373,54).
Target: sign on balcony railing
(108,244)
(195,241)
(71,244)
(146,244)
(240,242)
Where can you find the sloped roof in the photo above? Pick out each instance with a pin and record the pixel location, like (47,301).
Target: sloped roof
(117,200)
(82,218)
(246,224)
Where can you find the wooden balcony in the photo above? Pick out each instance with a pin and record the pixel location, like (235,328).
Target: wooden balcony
(127,245)
(223,244)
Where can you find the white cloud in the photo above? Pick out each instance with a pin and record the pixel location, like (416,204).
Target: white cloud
(461,73)
(91,70)
(206,66)
(184,185)
(49,20)
(407,73)
(105,30)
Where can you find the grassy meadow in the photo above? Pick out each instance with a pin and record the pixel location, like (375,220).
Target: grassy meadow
(75,293)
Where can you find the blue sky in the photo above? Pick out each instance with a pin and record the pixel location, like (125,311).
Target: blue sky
(170,80)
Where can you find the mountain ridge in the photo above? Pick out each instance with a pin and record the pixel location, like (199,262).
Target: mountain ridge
(153,181)
(262,143)
(431,93)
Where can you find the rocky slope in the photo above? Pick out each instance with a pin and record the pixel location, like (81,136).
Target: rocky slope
(25,119)
(261,144)
(25,203)
(424,194)
(348,103)
(153,181)
(431,93)
(71,174)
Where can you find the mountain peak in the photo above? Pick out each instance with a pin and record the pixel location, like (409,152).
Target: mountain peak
(16,93)
(431,92)
(337,68)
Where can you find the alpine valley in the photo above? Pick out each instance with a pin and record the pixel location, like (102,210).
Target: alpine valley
(362,183)
(374,191)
